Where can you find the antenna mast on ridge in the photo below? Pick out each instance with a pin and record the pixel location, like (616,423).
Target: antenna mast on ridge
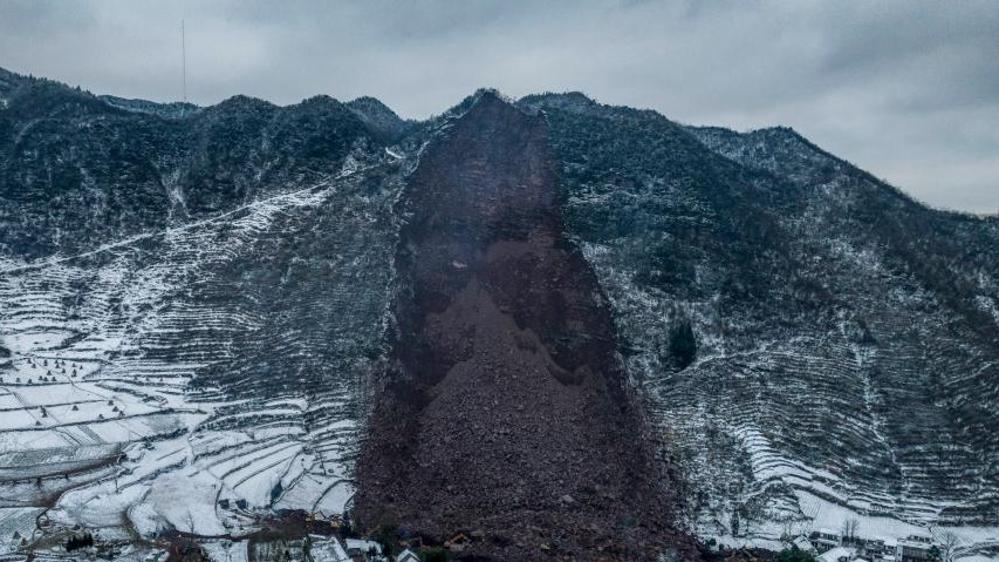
(183,57)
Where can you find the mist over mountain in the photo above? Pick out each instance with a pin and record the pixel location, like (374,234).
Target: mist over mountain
(535,329)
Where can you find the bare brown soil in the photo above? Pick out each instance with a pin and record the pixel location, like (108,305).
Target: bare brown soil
(507,414)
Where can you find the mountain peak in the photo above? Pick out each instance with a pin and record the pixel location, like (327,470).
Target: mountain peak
(8,75)
(572,101)
(172,110)
(242,101)
(372,104)
(481,96)
(379,117)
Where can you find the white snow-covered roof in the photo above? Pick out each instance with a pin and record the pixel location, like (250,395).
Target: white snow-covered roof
(363,545)
(407,556)
(802,543)
(328,549)
(834,554)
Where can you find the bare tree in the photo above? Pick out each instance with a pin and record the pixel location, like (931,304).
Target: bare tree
(791,528)
(850,527)
(949,543)
(787,529)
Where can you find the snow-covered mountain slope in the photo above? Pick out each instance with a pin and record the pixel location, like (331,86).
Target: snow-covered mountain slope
(199,310)
(223,362)
(79,171)
(844,354)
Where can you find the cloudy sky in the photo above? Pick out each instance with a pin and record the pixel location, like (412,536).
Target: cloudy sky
(908,90)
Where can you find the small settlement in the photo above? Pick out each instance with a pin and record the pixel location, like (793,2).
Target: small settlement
(831,546)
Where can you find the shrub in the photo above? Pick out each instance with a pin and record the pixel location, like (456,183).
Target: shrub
(682,344)
(794,555)
(434,554)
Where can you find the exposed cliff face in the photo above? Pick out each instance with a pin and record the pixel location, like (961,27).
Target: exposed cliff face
(507,411)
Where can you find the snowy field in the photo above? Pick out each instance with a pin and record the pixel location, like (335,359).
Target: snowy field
(104,422)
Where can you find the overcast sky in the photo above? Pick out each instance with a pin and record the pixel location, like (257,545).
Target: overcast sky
(908,90)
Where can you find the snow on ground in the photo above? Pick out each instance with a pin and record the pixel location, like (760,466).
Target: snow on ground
(328,550)
(820,513)
(832,516)
(98,412)
(16,523)
(226,551)
(195,512)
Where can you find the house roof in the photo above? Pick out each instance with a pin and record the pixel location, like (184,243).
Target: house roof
(802,543)
(327,549)
(363,545)
(834,554)
(407,556)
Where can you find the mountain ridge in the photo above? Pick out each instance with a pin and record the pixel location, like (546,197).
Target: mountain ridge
(800,343)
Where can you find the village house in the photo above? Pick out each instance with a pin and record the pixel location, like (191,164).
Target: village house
(803,544)
(360,550)
(407,556)
(875,549)
(914,548)
(838,554)
(825,539)
(327,549)
(891,546)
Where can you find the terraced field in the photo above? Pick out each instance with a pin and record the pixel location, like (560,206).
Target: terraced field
(834,369)
(187,378)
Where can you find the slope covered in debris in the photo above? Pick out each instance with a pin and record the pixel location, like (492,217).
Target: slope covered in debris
(506,413)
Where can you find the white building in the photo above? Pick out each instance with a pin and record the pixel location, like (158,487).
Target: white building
(407,556)
(825,539)
(362,547)
(914,548)
(804,545)
(327,549)
(838,554)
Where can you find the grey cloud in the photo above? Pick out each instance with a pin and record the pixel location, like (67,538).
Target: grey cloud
(907,90)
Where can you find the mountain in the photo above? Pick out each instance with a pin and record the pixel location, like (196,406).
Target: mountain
(167,110)
(564,329)
(380,118)
(105,170)
(845,335)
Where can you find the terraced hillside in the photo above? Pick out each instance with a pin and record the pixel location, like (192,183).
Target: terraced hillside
(200,309)
(231,354)
(224,360)
(811,339)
